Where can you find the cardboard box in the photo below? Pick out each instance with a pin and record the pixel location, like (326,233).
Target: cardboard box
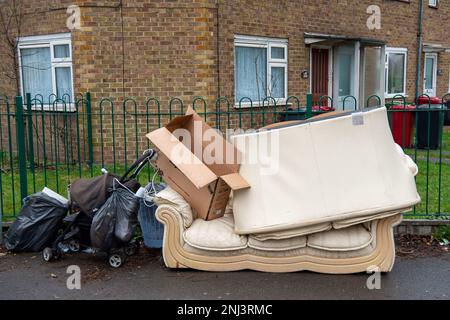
(197,162)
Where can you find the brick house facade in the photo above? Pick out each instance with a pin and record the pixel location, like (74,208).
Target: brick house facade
(188,48)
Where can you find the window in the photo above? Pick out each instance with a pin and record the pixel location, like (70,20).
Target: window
(260,69)
(395,69)
(433,3)
(46,67)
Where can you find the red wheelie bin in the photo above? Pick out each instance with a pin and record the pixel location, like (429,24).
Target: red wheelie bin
(402,124)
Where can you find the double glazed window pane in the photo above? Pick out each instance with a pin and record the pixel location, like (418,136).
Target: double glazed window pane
(38,75)
(429,67)
(63,83)
(277,53)
(61,51)
(277,88)
(251,73)
(36,71)
(345,74)
(396,75)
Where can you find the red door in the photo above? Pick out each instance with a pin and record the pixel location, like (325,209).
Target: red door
(319,74)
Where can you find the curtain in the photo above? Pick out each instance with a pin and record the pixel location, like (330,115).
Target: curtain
(251,73)
(277,53)
(63,83)
(61,51)
(276,89)
(36,71)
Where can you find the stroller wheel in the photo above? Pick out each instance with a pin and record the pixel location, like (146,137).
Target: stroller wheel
(47,254)
(131,249)
(116,259)
(74,245)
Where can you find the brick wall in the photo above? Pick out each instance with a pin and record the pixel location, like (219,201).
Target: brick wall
(436,31)
(143,49)
(290,19)
(169,47)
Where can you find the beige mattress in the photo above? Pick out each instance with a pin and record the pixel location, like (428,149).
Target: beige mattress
(346,168)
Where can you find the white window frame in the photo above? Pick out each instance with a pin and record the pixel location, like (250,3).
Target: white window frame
(390,50)
(433,3)
(435,69)
(448,81)
(49,41)
(267,43)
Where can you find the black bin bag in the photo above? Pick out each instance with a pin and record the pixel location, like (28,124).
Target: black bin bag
(114,220)
(37,225)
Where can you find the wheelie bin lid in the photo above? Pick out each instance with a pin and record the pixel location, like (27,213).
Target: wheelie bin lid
(408,107)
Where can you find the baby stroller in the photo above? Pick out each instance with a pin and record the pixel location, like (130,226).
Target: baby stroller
(87,196)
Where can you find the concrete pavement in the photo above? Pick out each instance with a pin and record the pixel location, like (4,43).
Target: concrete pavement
(26,276)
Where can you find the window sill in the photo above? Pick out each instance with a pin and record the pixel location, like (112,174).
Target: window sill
(58,108)
(260,104)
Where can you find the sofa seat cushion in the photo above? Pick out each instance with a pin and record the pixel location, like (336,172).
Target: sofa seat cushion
(277,245)
(214,235)
(347,239)
(292,233)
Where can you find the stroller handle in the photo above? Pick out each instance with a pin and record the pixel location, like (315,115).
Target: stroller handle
(138,165)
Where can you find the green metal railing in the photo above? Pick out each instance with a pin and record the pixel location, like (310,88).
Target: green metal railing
(51,142)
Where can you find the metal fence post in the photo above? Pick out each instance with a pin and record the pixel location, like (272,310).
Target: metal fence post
(30,138)
(1,223)
(21,147)
(89,131)
(309,102)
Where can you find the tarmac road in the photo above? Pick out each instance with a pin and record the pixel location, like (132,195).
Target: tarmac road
(26,276)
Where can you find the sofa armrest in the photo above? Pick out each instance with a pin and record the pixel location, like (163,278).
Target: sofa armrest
(173,234)
(412,166)
(169,199)
(166,211)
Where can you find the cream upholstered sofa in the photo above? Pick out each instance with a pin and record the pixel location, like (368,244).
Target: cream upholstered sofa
(307,214)
(214,246)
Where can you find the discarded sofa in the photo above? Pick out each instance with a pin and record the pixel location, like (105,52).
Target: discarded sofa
(325,198)
(214,245)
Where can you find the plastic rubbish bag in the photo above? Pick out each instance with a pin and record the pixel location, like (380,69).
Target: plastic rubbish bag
(37,225)
(102,227)
(127,208)
(114,219)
